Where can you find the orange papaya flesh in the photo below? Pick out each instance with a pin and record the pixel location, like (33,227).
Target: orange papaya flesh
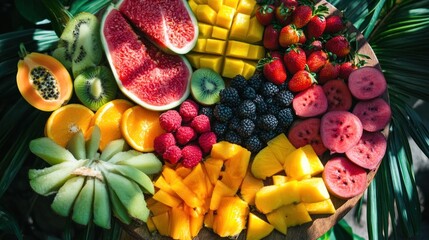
(43,81)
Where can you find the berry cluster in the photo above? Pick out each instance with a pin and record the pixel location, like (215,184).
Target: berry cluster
(251,112)
(188,135)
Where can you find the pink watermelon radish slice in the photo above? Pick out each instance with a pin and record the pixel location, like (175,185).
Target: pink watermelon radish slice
(307,132)
(367,83)
(310,102)
(369,151)
(343,178)
(148,76)
(374,114)
(170,24)
(338,95)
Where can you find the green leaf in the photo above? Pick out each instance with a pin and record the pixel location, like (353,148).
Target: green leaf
(8,224)
(32,10)
(58,15)
(91,6)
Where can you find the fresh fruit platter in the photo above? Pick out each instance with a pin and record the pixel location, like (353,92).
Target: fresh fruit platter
(207,119)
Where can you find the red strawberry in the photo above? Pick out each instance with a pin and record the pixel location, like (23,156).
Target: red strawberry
(328,72)
(334,24)
(315,45)
(300,81)
(283,14)
(316,60)
(316,25)
(271,37)
(302,15)
(273,69)
(290,3)
(276,54)
(338,45)
(265,14)
(302,37)
(295,59)
(345,69)
(288,35)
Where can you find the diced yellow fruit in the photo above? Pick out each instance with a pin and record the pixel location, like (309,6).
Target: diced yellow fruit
(200,46)
(167,199)
(182,171)
(265,164)
(257,228)
(215,46)
(150,201)
(162,184)
(232,181)
(238,164)
(179,224)
(237,49)
(225,16)
(194,59)
(201,1)
(215,4)
(224,150)
(196,224)
(280,179)
(205,30)
(246,6)
(322,207)
(315,164)
(162,223)
(212,62)
(231,217)
(170,175)
(213,167)
(220,190)
(150,225)
(274,196)
(249,187)
(208,219)
(256,52)
(256,31)
(231,3)
(296,214)
(281,147)
(186,194)
(232,67)
(313,190)
(206,14)
(249,69)
(239,27)
(193,5)
(158,208)
(219,33)
(194,181)
(278,220)
(296,165)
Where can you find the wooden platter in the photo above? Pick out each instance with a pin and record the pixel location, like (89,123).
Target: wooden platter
(320,223)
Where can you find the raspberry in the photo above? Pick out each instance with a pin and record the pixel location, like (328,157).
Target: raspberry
(163,141)
(185,134)
(173,154)
(170,120)
(188,110)
(191,155)
(201,123)
(206,141)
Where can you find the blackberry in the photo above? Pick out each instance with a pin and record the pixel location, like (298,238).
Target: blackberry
(284,98)
(229,96)
(219,128)
(254,144)
(246,127)
(234,123)
(283,86)
(256,81)
(238,82)
(233,137)
(285,117)
(261,105)
(266,136)
(273,108)
(269,89)
(247,109)
(208,111)
(267,122)
(222,112)
(248,93)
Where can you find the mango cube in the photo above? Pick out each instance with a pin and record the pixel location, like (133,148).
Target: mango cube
(280,179)
(225,16)
(220,190)
(281,147)
(231,3)
(200,46)
(206,14)
(249,69)
(231,217)
(257,228)
(296,165)
(256,52)
(255,32)
(237,165)
(249,187)
(296,214)
(179,224)
(167,199)
(205,30)
(265,164)
(215,4)
(278,220)
(224,150)
(194,59)
(313,190)
(232,67)
(212,62)
(239,27)
(237,49)
(220,33)
(162,223)
(246,6)
(322,207)
(193,5)
(215,46)
(274,196)
(213,167)
(315,164)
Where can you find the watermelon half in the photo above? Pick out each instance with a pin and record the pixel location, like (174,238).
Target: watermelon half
(147,75)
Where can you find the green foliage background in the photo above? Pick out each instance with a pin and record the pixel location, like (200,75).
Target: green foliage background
(398,32)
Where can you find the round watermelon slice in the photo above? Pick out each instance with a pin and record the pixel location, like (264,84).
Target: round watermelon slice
(146,74)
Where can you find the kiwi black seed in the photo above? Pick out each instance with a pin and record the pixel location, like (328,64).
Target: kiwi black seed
(95,86)
(206,85)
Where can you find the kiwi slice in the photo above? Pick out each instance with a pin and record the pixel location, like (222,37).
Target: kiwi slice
(79,46)
(206,85)
(95,87)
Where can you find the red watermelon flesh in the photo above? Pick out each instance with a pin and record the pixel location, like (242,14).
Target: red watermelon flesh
(168,23)
(150,77)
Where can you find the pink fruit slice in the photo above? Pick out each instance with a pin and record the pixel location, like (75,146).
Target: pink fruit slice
(374,114)
(338,95)
(340,131)
(367,83)
(369,151)
(343,178)
(169,24)
(310,102)
(307,132)
(144,73)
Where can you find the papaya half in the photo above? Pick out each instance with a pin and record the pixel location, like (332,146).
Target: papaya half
(43,81)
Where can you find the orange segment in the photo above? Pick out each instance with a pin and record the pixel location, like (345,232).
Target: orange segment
(140,127)
(108,118)
(66,121)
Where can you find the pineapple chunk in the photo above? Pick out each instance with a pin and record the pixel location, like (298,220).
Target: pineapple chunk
(237,49)
(257,228)
(315,164)
(206,14)
(213,167)
(162,223)
(322,207)
(265,164)
(220,190)
(215,46)
(232,67)
(280,179)
(180,224)
(162,184)
(215,4)
(246,6)
(205,30)
(225,16)
(255,32)
(212,62)
(196,224)
(231,217)
(249,187)
(281,147)
(274,196)
(296,214)
(296,165)
(224,150)
(220,33)
(278,220)
(313,190)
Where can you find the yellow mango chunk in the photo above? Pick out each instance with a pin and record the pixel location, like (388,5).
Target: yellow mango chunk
(265,164)
(239,27)
(193,5)
(205,30)
(220,33)
(296,214)
(206,14)
(278,220)
(274,196)
(248,69)
(237,165)
(296,165)
(215,46)
(220,190)
(215,4)
(194,59)
(231,3)
(249,187)
(315,164)
(256,52)
(237,49)
(208,219)
(280,179)
(196,223)
(231,217)
(225,16)
(255,32)
(246,6)
(232,181)
(213,167)
(257,228)
(162,223)
(281,147)
(322,207)
(179,224)
(232,67)
(212,62)
(166,198)
(186,194)
(200,46)
(313,190)
(224,150)
(150,225)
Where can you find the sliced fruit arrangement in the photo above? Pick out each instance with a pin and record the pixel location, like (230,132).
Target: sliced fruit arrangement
(90,185)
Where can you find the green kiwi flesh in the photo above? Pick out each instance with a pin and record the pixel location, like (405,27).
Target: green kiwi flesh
(95,87)
(206,85)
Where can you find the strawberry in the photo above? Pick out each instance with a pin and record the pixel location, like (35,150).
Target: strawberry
(288,35)
(301,80)
(283,14)
(315,45)
(302,15)
(345,69)
(271,37)
(329,71)
(316,60)
(276,54)
(338,45)
(316,25)
(334,24)
(265,14)
(273,69)
(302,37)
(295,59)
(290,3)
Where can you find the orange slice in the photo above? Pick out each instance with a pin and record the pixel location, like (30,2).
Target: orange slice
(108,118)
(64,122)
(140,127)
